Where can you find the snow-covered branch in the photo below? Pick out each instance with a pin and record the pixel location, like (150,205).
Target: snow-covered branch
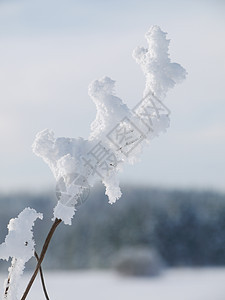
(19,245)
(118,133)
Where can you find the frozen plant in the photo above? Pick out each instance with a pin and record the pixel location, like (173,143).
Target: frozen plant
(118,134)
(19,246)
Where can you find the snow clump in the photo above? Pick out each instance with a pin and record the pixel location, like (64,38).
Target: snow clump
(118,133)
(19,245)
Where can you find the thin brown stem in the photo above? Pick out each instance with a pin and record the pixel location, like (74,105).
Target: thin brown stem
(42,277)
(43,252)
(7,286)
(13,263)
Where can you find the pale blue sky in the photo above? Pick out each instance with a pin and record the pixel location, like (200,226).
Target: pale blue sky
(51,50)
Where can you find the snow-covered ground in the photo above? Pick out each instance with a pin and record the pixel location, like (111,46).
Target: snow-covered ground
(174,284)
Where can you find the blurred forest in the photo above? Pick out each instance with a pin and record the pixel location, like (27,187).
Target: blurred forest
(185,227)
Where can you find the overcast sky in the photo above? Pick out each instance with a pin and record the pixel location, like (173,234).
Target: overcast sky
(51,50)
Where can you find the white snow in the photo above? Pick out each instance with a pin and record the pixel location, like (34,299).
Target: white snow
(174,284)
(118,133)
(66,211)
(160,73)
(19,245)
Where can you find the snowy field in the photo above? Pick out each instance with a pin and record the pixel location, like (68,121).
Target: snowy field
(174,284)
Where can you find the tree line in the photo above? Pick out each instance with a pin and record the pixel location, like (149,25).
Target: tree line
(185,227)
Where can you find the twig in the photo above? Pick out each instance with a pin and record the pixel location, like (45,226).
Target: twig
(13,263)
(42,277)
(43,252)
(7,287)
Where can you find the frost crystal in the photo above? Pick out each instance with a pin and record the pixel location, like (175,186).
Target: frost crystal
(118,134)
(19,245)
(160,73)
